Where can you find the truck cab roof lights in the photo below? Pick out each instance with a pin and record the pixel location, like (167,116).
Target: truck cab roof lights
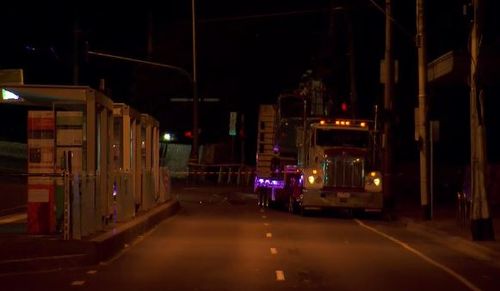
(345,122)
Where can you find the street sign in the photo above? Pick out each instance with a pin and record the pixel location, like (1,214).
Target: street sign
(232,123)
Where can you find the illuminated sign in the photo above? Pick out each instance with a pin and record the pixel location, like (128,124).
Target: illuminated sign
(7,95)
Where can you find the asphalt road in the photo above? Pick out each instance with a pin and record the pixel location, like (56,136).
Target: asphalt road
(224,241)
(13,194)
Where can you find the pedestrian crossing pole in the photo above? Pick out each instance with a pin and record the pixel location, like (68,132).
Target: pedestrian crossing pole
(481,223)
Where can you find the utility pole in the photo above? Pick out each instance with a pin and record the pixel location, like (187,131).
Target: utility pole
(388,89)
(422,112)
(194,150)
(76,50)
(150,34)
(481,222)
(352,64)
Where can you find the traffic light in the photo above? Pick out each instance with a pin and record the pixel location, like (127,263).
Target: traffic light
(344,107)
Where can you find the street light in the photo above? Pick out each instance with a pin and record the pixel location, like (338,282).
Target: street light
(194,150)
(192,79)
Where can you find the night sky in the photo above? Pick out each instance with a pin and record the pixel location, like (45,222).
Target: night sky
(248,52)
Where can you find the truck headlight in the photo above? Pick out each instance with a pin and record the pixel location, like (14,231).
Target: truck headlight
(373,182)
(313,178)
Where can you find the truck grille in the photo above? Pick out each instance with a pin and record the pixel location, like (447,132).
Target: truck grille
(344,171)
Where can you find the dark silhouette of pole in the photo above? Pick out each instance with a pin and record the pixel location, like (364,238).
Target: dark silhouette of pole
(422,112)
(76,50)
(481,222)
(194,150)
(352,64)
(388,93)
(149,47)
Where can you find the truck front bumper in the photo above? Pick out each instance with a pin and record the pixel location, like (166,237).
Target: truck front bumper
(369,201)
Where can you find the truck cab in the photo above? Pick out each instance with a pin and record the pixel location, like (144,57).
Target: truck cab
(307,161)
(340,168)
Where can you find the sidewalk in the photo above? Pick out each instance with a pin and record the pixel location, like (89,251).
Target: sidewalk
(23,252)
(446,228)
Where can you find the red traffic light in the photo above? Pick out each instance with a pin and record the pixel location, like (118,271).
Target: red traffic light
(344,107)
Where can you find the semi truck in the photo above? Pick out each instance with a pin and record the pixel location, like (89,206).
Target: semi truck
(307,160)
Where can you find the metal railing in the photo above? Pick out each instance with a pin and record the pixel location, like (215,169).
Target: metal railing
(463,209)
(220,174)
(78,205)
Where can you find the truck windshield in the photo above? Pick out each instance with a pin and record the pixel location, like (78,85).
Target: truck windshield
(342,137)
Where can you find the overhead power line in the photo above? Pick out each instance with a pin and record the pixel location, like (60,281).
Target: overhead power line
(398,25)
(259,16)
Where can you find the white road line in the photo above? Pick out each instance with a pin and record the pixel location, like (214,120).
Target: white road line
(263,216)
(77,283)
(274,251)
(13,218)
(91,272)
(261,210)
(125,249)
(280,275)
(422,256)
(266,224)
(269,235)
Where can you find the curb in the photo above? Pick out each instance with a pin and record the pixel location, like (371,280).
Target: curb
(114,240)
(60,254)
(454,242)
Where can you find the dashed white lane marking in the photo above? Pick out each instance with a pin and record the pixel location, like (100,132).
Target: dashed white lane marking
(261,210)
(263,216)
(280,275)
(77,283)
(91,272)
(266,224)
(422,256)
(269,234)
(274,251)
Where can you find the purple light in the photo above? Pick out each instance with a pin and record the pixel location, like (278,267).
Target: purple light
(269,183)
(115,190)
